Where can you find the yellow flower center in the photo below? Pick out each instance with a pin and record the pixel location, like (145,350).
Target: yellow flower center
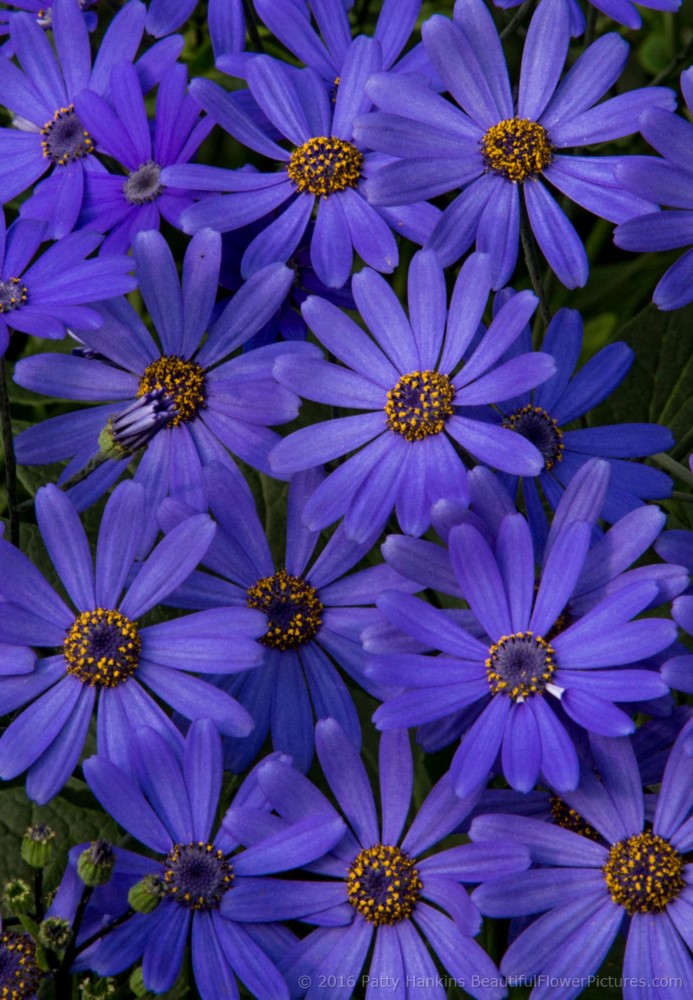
(383,885)
(102,647)
(517,148)
(324,165)
(644,873)
(419,404)
(182,381)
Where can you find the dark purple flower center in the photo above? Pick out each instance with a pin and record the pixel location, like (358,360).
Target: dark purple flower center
(292,607)
(143,185)
(324,165)
(197,875)
(182,381)
(569,819)
(64,138)
(102,647)
(419,404)
(541,430)
(520,665)
(383,884)
(20,976)
(133,429)
(517,148)
(644,873)
(13,295)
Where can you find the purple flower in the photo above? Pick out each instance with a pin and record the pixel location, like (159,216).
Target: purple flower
(623,11)
(48,134)
(523,666)
(43,12)
(637,879)
(323,169)
(102,656)
(427,381)
(500,151)
(374,887)
(181,396)
(168,801)
(59,287)
(124,206)
(314,615)
(665,182)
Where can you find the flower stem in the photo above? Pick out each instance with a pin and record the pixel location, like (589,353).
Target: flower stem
(10,460)
(104,931)
(61,976)
(517,18)
(252,27)
(532,261)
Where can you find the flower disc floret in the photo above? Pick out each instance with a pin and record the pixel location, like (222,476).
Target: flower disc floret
(197,875)
(292,606)
(13,295)
(102,647)
(183,381)
(144,184)
(383,884)
(541,430)
(644,873)
(570,819)
(517,148)
(20,976)
(65,139)
(520,665)
(324,165)
(419,404)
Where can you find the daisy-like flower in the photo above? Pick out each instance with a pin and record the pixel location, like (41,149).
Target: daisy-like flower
(500,151)
(169,803)
(314,614)
(426,381)
(101,655)
(48,134)
(323,170)
(43,12)
(665,182)
(544,416)
(380,885)
(59,287)
(629,877)
(123,206)
(525,666)
(185,402)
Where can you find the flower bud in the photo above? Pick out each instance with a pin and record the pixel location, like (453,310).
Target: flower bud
(95,865)
(54,933)
(37,845)
(145,895)
(17,896)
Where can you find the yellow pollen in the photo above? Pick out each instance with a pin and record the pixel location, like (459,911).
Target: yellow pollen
(520,665)
(13,294)
(102,648)
(419,404)
(570,819)
(64,139)
(197,875)
(324,165)
(644,873)
(383,884)
(183,381)
(517,148)
(292,607)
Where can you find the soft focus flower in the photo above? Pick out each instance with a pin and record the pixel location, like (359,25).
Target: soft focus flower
(500,151)
(169,803)
(426,380)
(636,879)
(102,656)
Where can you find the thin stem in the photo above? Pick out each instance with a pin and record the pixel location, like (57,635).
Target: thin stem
(38,895)
(61,976)
(363,12)
(590,28)
(517,18)
(88,942)
(532,261)
(91,465)
(10,460)
(683,497)
(674,467)
(252,26)
(679,59)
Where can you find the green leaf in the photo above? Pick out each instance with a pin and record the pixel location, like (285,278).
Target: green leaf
(658,386)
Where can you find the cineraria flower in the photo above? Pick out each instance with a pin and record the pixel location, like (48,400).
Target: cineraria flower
(665,182)
(323,170)
(184,404)
(426,380)
(528,666)
(500,152)
(638,880)
(313,612)
(379,889)
(58,288)
(125,206)
(544,416)
(48,134)
(169,804)
(103,656)
(20,972)
(43,12)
